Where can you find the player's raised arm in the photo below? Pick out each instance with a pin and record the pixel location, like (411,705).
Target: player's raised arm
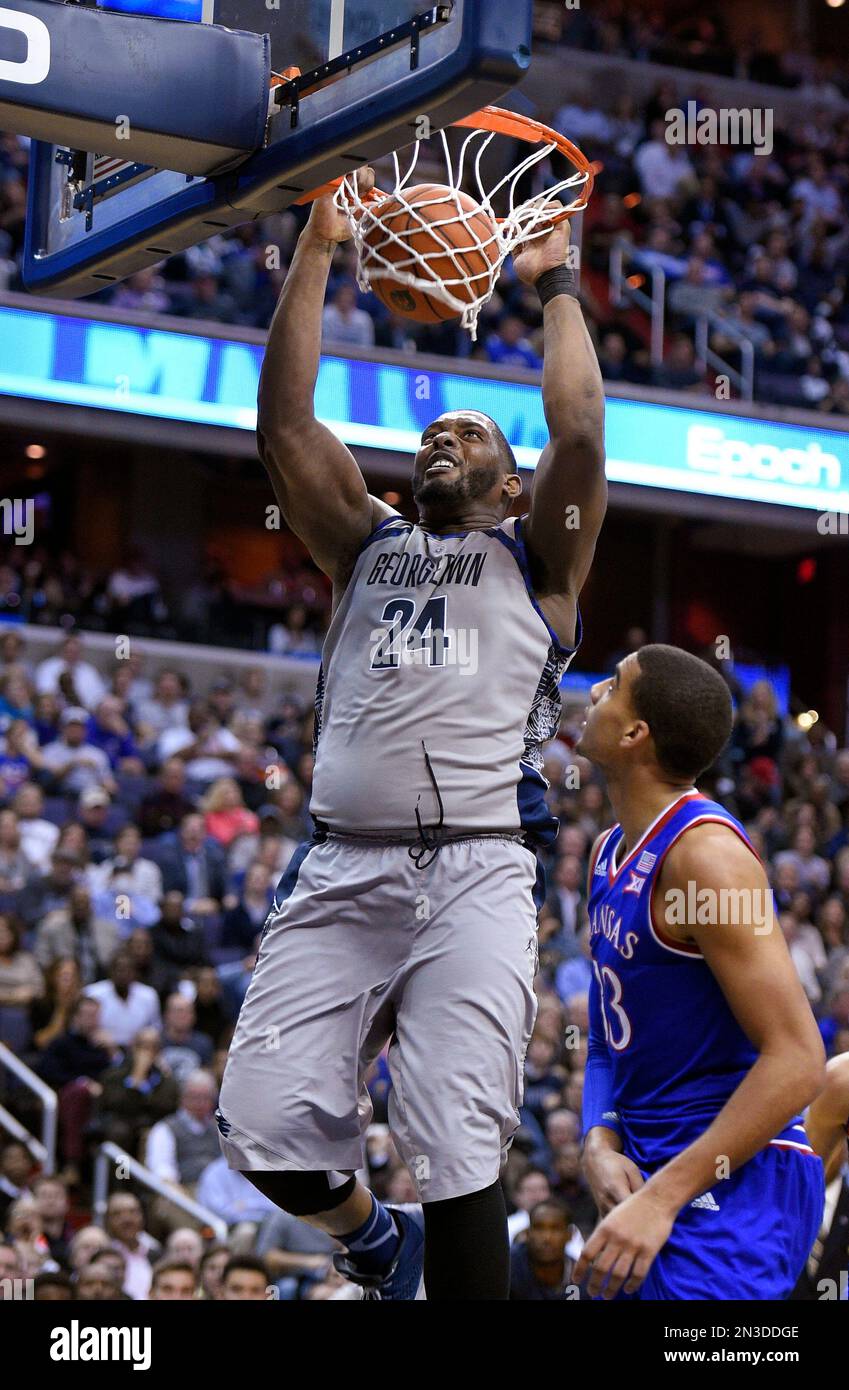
(757,977)
(316,480)
(569,497)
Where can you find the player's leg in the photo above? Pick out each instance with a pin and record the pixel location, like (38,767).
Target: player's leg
(294,1107)
(748,1237)
(338,1204)
(464,1020)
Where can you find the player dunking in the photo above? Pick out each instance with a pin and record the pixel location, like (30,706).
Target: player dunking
(703,1048)
(411,916)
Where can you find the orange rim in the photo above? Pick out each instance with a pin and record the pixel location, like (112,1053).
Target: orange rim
(501,122)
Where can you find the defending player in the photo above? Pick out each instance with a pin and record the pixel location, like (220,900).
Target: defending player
(412,914)
(703,1048)
(827,1120)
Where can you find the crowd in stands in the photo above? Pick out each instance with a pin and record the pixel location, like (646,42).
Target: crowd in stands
(142,834)
(286,613)
(761,239)
(701,40)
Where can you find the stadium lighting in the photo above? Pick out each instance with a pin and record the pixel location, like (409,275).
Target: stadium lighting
(35,451)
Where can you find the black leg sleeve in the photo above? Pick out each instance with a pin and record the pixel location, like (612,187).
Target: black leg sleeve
(467,1252)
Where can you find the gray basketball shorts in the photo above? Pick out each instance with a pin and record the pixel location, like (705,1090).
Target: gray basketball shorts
(439,962)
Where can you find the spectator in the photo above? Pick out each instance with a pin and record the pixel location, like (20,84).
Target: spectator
(15,866)
(244,1279)
(74,763)
(108,730)
(166,708)
(531,1188)
(96,1284)
(207,747)
(187,1244)
(51,1015)
(38,836)
(162,810)
(184,1050)
(133,592)
(181,1146)
(126,1006)
(508,346)
(242,922)
(293,636)
(664,170)
(52,1205)
(343,323)
(541,1267)
(194,866)
(21,758)
(178,945)
(52,892)
(52,1286)
(565,902)
(234,1199)
(16,1167)
(72,1064)
(79,932)
(85,1244)
(129,874)
(82,1051)
(137,1093)
(47,712)
(211,1017)
(292,1249)
(21,980)
(100,821)
(16,701)
(173,1281)
(813,872)
(68,674)
(125,1227)
(226,816)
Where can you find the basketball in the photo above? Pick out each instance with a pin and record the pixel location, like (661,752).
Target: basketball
(459,245)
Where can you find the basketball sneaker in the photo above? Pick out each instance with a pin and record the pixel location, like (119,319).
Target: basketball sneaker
(402,1281)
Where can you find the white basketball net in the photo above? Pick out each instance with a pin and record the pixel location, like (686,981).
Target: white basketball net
(523,222)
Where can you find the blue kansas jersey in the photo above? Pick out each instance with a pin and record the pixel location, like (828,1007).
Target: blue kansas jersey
(677,1051)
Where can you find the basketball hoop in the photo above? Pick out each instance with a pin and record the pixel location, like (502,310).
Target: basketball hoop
(389,253)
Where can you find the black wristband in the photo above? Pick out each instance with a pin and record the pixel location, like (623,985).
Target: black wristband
(559,280)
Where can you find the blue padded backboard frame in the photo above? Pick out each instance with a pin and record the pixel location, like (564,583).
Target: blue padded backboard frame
(465,62)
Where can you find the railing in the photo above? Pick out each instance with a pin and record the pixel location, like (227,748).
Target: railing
(621,290)
(706,357)
(44,1150)
(111,1153)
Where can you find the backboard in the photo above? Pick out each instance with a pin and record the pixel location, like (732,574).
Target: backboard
(369,71)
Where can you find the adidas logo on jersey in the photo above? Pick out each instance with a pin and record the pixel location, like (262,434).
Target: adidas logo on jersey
(600,868)
(707,1201)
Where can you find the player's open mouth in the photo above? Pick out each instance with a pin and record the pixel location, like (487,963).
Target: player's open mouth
(440,465)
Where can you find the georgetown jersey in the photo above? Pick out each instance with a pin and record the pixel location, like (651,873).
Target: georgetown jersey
(677,1051)
(439,684)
